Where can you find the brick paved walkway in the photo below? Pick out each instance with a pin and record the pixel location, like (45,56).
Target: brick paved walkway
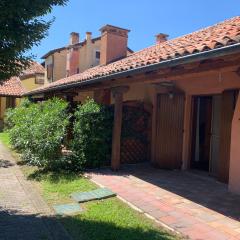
(23,213)
(198,207)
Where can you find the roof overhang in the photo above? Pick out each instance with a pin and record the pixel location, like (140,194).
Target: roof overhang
(10,95)
(219,52)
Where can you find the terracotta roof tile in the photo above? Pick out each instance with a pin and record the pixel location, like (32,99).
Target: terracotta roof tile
(34,68)
(216,36)
(12,87)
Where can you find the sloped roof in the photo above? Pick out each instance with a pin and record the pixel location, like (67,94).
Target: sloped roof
(214,37)
(34,68)
(12,87)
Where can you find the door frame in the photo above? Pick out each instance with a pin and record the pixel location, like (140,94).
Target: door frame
(194,126)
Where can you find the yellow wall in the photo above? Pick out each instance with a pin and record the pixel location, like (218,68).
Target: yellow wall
(18,101)
(3,107)
(29,83)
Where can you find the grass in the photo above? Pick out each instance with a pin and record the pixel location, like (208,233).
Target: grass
(108,219)
(4,137)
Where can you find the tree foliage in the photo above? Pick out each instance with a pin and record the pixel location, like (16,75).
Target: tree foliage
(21,27)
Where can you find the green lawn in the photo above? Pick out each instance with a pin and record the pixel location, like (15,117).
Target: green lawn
(108,219)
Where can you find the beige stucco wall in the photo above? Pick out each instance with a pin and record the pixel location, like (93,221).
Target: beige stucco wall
(82,96)
(234,172)
(87,56)
(138,91)
(48,61)
(87,59)
(58,59)
(59,62)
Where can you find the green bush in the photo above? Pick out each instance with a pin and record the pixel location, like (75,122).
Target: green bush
(37,131)
(92,135)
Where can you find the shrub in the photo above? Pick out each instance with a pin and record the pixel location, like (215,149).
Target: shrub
(37,131)
(19,121)
(92,135)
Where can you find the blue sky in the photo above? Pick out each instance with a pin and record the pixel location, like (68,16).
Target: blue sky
(145,18)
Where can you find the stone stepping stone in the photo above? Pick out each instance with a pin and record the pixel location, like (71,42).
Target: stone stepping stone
(97,194)
(68,209)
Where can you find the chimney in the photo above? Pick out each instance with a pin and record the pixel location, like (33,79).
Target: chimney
(114,42)
(72,65)
(74,38)
(161,37)
(88,36)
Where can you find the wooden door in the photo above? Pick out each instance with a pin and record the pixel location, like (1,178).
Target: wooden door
(228,106)
(169,131)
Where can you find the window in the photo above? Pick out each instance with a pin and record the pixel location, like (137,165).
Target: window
(97,55)
(49,71)
(39,79)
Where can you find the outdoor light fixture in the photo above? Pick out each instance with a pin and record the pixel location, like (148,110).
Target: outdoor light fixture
(171,95)
(166,84)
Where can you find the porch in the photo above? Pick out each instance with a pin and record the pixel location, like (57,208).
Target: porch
(192,204)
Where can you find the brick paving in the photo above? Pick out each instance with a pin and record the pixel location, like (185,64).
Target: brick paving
(23,213)
(198,207)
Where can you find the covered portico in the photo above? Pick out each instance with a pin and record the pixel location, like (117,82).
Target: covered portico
(191,85)
(176,95)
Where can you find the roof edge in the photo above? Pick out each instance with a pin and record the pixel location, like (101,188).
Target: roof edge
(231,49)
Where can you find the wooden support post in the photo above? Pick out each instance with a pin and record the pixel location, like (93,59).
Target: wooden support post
(187,132)
(154,120)
(117,126)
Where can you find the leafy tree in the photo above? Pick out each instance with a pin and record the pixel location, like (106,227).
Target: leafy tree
(21,27)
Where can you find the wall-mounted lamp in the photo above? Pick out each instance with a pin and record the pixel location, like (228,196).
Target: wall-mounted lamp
(166,84)
(171,95)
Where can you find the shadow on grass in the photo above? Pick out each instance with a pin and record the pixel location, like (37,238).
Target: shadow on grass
(91,230)
(21,225)
(53,176)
